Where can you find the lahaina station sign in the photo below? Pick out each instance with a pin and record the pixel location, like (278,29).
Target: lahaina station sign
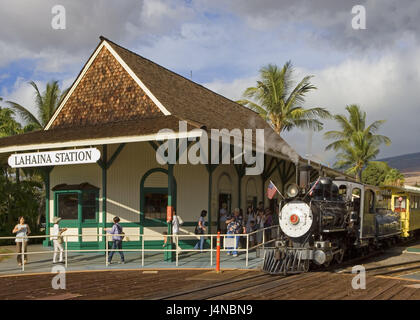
(54,158)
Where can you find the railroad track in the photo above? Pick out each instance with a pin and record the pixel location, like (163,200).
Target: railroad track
(217,289)
(397,268)
(269,282)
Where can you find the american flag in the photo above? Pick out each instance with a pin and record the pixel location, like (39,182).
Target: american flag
(311,191)
(271,191)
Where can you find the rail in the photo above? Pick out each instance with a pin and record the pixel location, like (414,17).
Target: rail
(230,244)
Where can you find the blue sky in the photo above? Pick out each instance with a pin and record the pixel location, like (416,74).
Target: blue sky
(224,43)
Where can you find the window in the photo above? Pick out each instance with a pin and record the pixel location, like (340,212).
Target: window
(155,205)
(400,204)
(77,202)
(89,205)
(342,190)
(369,201)
(384,201)
(68,206)
(355,198)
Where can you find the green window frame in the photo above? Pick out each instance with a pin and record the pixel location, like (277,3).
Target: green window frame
(80,206)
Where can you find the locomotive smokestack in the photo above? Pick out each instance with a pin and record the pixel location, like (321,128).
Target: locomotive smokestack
(305,173)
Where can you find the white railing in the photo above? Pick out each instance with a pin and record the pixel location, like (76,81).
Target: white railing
(174,240)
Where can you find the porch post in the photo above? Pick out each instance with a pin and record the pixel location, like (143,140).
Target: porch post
(209,200)
(168,256)
(104,194)
(47,171)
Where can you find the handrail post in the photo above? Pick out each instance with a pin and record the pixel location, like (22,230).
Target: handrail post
(142,250)
(66,237)
(23,255)
(106,249)
(211,250)
(247,248)
(176,252)
(263,238)
(218,252)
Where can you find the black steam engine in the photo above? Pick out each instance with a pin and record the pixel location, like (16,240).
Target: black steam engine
(322,221)
(314,221)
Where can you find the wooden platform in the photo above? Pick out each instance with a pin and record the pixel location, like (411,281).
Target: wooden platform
(201,284)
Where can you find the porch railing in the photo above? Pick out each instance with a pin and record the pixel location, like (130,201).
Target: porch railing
(171,239)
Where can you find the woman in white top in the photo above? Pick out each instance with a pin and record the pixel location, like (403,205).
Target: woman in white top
(22,231)
(176,222)
(57,240)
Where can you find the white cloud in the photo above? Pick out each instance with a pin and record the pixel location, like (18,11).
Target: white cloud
(386,88)
(23,93)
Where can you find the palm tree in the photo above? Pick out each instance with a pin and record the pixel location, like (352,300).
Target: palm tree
(46,104)
(357,142)
(279,101)
(8,125)
(394,178)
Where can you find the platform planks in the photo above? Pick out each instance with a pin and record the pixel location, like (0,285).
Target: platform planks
(203,284)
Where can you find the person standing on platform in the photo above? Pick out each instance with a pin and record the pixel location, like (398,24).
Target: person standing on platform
(57,240)
(268,223)
(117,237)
(234,227)
(176,223)
(222,218)
(260,220)
(201,229)
(22,231)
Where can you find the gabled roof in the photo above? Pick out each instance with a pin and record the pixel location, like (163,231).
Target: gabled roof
(118,93)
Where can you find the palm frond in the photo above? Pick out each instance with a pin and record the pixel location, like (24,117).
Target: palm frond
(25,114)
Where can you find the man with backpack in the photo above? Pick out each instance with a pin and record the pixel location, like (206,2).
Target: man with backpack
(118,235)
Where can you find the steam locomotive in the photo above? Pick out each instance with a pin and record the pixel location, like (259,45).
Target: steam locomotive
(324,221)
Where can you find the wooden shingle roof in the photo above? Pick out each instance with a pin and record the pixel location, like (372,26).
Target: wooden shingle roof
(120,93)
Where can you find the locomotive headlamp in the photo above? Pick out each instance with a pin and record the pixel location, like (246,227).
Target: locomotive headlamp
(292,190)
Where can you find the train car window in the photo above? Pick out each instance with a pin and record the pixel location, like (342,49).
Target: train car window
(414,202)
(384,201)
(369,205)
(400,204)
(355,198)
(336,196)
(342,190)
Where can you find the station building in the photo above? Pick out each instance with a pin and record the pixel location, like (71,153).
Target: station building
(116,107)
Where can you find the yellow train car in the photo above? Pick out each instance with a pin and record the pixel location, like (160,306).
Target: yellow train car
(406,201)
